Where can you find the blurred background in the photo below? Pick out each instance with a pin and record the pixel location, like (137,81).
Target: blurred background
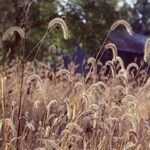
(88,21)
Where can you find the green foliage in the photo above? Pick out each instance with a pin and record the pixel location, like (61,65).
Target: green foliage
(141,14)
(90,20)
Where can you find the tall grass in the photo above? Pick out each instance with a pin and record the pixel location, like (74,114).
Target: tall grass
(108,109)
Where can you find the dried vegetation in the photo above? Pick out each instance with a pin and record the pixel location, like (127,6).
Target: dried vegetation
(63,111)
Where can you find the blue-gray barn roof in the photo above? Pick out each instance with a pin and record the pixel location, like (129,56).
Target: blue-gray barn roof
(128,43)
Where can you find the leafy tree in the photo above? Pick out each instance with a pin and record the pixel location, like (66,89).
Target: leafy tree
(39,14)
(90,20)
(141,14)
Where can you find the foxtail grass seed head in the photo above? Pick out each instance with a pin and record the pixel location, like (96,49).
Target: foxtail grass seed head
(9,123)
(71,126)
(52,48)
(38,79)
(68,106)
(79,87)
(66,72)
(91,60)
(124,23)
(11,31)
(132,65)
(113,48)
(110,64)
(51,144)
(63,25)
(119,59)
(30,125)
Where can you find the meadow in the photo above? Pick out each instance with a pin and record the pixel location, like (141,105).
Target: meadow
(43,108)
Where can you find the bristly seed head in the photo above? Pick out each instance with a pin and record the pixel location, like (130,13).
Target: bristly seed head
(124,23)
(11,31)
(63,25)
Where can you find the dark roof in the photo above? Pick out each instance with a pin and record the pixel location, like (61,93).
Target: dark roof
(128,43)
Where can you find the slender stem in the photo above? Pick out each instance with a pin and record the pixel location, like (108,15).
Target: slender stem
(103,46)
(2,96)
(98,55)
(20,104)
(146,74)
(3,109)
(41,44)
(23,47)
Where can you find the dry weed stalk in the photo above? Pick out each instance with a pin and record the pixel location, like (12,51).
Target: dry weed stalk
(147,51)
(48,108)
(1,43)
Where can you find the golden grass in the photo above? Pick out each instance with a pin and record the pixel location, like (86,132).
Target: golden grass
(62,110)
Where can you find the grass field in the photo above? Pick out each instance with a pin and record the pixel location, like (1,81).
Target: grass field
(106,109)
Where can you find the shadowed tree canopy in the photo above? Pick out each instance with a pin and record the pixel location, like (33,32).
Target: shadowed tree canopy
(39,14)
(141,13)
(88,20)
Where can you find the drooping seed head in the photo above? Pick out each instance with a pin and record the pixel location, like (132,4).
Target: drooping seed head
(124,23)
(11,31)
(113,48)
(63,25)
